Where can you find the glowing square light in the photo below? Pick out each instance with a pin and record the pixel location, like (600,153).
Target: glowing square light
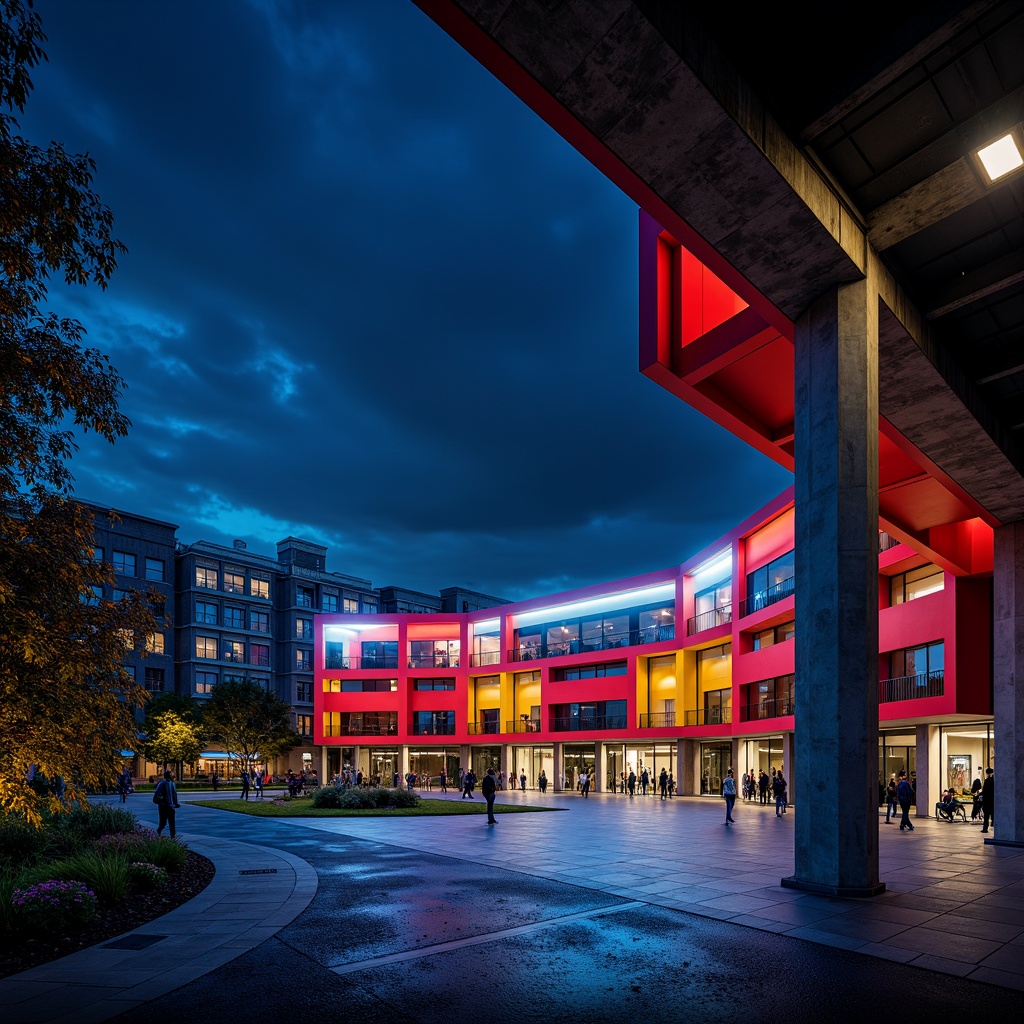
(1000,157)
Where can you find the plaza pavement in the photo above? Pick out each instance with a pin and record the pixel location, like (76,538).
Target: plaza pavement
(953,904)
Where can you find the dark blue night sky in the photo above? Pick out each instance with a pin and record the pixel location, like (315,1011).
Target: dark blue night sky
(370,300)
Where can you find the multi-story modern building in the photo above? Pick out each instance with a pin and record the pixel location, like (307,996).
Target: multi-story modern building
(690,669)
(234,614)
(140,551)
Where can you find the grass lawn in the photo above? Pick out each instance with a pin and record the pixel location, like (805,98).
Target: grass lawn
(302,807)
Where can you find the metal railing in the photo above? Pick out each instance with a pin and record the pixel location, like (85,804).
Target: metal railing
(433,661)
(483,728)
(523,725)
(581,724)
(777,708)
(709,619)
(345,661)
(611,642)
(658,720)
(487,658)
(766,598)
(383,729)
(708,716)
(435,730)
(924,684)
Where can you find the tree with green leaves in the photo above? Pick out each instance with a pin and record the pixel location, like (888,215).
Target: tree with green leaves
(174,741)
(67,706)
(252,723)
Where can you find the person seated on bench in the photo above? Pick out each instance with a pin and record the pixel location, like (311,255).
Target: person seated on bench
(949,804)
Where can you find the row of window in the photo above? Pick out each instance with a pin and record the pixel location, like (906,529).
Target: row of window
(125,563)
(206,681)
(217,649)
(233,582)
(233,617)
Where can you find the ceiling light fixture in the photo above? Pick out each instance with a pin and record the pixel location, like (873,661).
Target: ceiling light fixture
(1000,156)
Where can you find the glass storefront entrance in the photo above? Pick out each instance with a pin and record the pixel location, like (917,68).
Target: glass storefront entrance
(715,761)
(575,758)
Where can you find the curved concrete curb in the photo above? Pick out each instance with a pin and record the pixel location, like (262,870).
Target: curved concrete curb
(234,913)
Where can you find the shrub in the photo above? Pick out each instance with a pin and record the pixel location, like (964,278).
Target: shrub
(164,852)
(403,798)
(328,796)
(103,819)
(128,844)
(146,876)
(106,874)
(20,842)
(54,905)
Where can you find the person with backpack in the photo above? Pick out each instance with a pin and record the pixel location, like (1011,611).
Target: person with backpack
(165,796)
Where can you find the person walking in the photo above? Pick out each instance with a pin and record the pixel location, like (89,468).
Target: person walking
(488,788)
(522,782)
(443,779)
(671,785)
(729,792)
(663,783)
(542,781)
(165,796)
(904,795)
(631,783)
(244,795)
(890,798)
(988,793)
(585,783)
(779,790)
(468,782)
(124,783)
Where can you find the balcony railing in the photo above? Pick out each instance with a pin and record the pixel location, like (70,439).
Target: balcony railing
(433,661)
(583,724)
(767,709)
(484,728)
(486,658)
(435,730)
(708,716)
(658,720)
(374,661)
(924,684)
(613,641)
(383,729)
(709,619)
(765,598)
(523,725)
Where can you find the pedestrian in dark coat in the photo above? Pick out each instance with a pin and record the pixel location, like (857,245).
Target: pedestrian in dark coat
(488,788)
(988,793)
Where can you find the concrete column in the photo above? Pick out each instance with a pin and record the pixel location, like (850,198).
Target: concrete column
(599,783)
(1008,685)
(465,759)
(556,782)
(687,752)
(406,763)
(836,456)
(787,767)
(928,766)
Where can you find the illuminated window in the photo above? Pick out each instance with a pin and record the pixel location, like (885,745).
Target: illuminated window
(206,647)
(303,660)
(234,650)
(919,582)
(234,582)
(206,578)
(303,629)
(260,588)
(155,643)
(259,654)
(205,682)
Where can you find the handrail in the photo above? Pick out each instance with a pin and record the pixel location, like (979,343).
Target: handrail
(709,619)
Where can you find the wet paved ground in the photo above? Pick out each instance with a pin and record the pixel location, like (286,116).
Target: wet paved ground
(577,910)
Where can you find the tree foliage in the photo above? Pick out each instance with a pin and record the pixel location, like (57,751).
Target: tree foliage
(174,740)
(66,704)
(251,722)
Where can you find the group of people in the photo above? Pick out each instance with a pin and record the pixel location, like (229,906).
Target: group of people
(760,786)
(751,786)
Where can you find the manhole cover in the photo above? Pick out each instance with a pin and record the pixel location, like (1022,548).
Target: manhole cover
(134,942)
